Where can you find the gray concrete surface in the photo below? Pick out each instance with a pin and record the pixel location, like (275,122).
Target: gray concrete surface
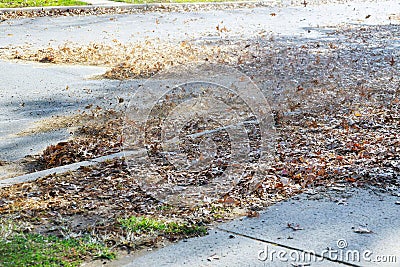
(326,220)
(30,92)
(327,238)
(219,248)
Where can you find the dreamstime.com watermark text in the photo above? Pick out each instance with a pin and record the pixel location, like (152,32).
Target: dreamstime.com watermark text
(341,253)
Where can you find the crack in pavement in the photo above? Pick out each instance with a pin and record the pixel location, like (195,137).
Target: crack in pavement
(312,253)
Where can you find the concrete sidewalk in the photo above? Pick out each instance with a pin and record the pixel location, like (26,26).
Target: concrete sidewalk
(326,229)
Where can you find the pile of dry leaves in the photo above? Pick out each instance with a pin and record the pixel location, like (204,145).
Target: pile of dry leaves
(91,200)
(132,60)
(132,9)
(336,103)
(100,135)
(336,107)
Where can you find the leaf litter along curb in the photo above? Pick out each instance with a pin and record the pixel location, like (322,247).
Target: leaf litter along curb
(102,201)
(340,94)
(40,3)
(101,135)
(98,11)
(95,132)
(188,7)
(336,106)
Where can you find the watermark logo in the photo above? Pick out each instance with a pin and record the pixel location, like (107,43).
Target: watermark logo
(204,129)
(340,254)
(342,243)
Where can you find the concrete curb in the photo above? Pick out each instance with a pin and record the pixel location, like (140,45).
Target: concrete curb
(135,6)
(72,167)
(126,6)
(66,168)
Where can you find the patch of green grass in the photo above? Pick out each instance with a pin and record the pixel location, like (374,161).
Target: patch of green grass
(34,3)
(40,250)
(149,225)
(219,211)
(170,1)
(165,207)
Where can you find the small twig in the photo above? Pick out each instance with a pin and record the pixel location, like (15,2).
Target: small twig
(294,227)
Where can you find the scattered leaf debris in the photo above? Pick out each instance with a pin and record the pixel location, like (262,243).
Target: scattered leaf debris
(337,119)
(362,230)
(294,227)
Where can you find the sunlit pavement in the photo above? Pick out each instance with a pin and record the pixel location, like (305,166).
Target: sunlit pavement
(336,227)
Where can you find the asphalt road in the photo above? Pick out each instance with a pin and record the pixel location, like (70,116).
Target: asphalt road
(30,92)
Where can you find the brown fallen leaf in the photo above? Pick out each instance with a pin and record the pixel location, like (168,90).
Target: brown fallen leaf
(300,264)
(213,257)
(342,201)
(294,227)
(229,200)
(392,61)
(253,214)
(362,230)
(351,180)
